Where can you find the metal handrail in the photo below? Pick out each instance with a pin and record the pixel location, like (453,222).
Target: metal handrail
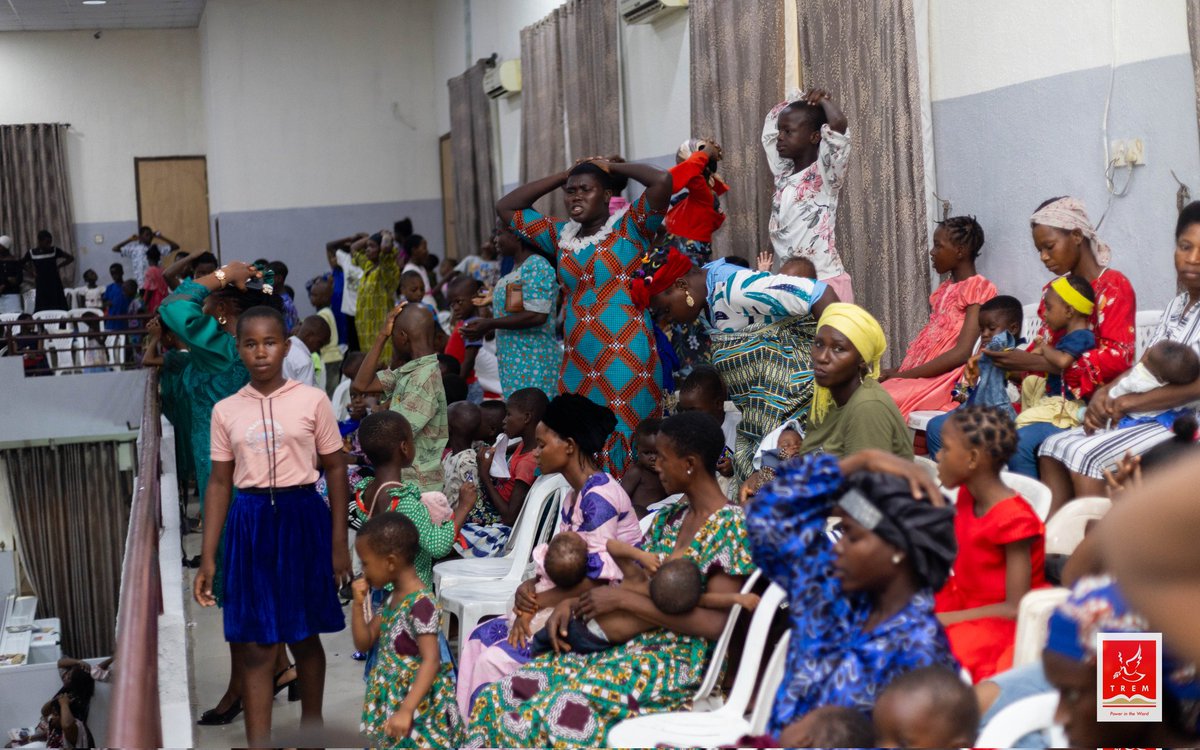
(134,720)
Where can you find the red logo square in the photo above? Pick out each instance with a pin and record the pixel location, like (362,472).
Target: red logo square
(1130,670)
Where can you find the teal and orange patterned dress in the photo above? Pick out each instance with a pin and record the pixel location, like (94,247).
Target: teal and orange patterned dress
(436,722)
(569,700)
(610,355)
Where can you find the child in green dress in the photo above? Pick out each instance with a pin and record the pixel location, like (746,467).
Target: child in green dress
(410,693)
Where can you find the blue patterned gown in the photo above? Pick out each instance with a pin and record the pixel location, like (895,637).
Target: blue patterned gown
(830,661)
(609,355)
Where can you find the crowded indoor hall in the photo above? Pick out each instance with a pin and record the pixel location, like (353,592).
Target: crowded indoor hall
(649,373)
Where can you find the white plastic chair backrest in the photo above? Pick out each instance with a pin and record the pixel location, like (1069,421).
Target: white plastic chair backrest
(1065,530)
(1033,616)
(1032,490)
(753,647)
(545,490)
(1145,324)
(1014,721)
(765,701)
(717,658)
(928,464)
(9,317)
(1031,322)
(49,318)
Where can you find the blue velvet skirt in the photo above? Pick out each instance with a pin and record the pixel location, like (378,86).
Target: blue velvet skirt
(279,585)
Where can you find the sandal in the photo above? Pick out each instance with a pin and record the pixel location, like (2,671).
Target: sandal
(212,717)
(293,687)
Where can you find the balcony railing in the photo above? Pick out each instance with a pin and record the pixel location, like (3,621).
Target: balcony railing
(135,719)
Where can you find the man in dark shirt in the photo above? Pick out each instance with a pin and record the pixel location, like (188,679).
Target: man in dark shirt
(11,272)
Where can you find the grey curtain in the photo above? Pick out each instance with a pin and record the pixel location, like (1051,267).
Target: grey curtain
(736,77)
(590,77)
(865,55)
(474,173)
(71,506)
(35,191)
(543,138)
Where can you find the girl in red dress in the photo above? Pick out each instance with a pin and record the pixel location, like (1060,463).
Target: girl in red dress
(1001,542)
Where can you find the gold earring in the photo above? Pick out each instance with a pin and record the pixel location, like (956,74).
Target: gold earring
(688,299)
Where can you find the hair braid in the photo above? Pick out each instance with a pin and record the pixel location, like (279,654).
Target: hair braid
(989,429)
(965,232)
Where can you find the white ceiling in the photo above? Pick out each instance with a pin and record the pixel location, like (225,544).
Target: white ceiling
(60,15)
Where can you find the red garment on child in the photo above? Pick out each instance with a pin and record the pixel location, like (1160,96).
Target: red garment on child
(522,466)
(696,216)
(155,287)
(985,645)
(456,346)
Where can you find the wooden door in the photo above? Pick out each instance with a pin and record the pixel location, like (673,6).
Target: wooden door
(172,195)
(448,223)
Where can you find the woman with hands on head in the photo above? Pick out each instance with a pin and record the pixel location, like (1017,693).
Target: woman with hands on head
(610,355)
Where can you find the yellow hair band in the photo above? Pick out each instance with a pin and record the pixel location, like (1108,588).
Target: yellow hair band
(1071,296)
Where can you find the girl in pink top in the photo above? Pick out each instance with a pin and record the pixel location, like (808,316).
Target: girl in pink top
(284,552)
(936,356)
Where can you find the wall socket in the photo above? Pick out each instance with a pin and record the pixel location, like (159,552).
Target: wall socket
(1130,152)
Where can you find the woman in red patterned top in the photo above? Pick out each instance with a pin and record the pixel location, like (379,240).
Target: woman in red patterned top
(1067,243)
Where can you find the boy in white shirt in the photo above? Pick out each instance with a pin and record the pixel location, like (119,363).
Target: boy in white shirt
(312,335)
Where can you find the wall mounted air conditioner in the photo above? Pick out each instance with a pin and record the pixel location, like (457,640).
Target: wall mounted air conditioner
(502,79)
(645,11)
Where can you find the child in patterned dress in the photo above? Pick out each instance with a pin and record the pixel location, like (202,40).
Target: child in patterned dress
(410,694)
(807,144)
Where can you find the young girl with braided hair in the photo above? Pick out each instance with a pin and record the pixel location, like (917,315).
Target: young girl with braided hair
(935,358)
(1001,541)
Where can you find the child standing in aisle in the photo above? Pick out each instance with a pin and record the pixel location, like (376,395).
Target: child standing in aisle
(410,693)
(284,552)
(808,147)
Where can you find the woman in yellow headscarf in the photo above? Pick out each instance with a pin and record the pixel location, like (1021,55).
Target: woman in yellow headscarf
(850,410)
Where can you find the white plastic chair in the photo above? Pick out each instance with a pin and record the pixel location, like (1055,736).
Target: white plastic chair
(1145,324)
(648,520)
(84,339)
(10,317)
(1032,490)
(1033,617)
(919,420)
(472,600)
(1032,714)
(1065,530)
(722,726)
(928,464)
(707,697)
(525,536)
(61,350)
(1031,322)
(772,678)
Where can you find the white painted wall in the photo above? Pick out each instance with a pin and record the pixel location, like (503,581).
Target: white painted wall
(315,103)
(127,94)
(656,73)
(980,46)
(654,57)
(1019,93)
